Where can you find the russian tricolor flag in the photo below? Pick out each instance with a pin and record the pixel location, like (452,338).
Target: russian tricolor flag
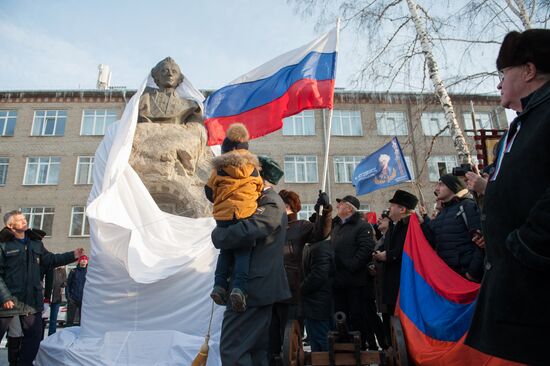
(297,80)
(435,307)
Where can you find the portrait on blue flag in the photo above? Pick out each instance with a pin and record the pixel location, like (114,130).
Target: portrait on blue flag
(383,168)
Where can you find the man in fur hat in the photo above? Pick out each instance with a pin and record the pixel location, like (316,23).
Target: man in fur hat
(234,187)
(511,319)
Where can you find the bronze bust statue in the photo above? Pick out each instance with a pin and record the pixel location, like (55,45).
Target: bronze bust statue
(164,105)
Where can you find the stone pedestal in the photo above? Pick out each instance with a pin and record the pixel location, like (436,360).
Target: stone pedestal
(174,163)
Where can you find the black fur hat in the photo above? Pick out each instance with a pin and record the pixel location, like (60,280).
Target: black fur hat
(405,199)
(533,45)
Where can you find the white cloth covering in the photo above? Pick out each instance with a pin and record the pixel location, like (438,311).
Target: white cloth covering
(146,298)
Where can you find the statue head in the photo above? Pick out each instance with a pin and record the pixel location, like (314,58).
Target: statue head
(167,73)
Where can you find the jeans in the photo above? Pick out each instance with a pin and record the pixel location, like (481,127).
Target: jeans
(54,310)
(317,331)
(240,259)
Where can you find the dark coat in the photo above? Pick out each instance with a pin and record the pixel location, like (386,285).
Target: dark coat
(21,270)
(75,284)
(316,288)
(267,281)
(512,319)
(394,241)
(450,234)
(298,233)
(353,244)
(56,279)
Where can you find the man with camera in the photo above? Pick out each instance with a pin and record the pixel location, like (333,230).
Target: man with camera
(455,229)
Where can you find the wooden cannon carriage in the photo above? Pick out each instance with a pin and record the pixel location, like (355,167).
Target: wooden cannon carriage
(344,347)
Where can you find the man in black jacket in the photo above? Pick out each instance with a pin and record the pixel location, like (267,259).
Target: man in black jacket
(245,335)
(511,319)
(352,240)
(23,260)
(453,230)
(402,205)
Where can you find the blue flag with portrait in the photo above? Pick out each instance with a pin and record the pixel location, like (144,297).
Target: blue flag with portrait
(383,168)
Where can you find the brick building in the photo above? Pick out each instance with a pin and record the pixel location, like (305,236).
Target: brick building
(48,139)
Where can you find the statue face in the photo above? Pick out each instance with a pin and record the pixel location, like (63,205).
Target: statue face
(168,75)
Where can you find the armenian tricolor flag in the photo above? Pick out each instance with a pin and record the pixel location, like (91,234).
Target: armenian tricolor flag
(435,307)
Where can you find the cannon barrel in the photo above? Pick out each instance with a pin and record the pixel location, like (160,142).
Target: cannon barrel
(340,321)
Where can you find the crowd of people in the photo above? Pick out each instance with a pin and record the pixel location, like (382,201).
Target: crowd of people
(274,267)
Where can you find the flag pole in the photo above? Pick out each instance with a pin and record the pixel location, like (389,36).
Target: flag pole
(330,112)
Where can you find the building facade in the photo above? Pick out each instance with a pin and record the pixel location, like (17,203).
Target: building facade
(48,140)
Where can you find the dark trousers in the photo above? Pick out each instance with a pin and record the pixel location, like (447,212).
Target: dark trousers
(244,338)
(54,310)
(32,335)
(361,315)
(280,315)
(73,312)
(317,331)
(386,318)
(240,261)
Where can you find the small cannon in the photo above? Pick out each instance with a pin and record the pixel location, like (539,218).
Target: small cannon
(344,347)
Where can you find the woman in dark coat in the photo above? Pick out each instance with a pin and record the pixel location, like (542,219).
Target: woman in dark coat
(299,232)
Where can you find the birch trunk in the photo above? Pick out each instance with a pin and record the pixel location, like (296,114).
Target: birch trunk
(441,92)
(521,12)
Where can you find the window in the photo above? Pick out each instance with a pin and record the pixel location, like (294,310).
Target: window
(96,121)
(301,169)
(302,124)
(307,210)
(7,122)
(391,123)
(49,123)
(84,168)
(484,121)
(39,218)
(4,162)
(346,123)
(364,208)
(433,123)
(441,165)
(410,166)
(79,222)
(42,170)
(344,166)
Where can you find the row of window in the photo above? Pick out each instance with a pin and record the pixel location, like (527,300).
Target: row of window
(348,123)
(42,218)
(44,170)
(52,122)
(344,123)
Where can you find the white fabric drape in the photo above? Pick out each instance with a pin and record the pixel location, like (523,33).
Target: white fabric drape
(146,295)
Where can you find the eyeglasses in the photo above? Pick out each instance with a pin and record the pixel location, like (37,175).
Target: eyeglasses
(501,73)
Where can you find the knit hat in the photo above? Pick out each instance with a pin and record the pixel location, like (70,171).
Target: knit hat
(454,183)
(236,137)
(405,199)
(271,171)
(533,45)
(82,257)
(291,199)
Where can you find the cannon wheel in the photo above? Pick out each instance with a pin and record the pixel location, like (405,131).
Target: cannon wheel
(293,351)
(399,356)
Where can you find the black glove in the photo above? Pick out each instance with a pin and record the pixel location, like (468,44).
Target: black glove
(323,199)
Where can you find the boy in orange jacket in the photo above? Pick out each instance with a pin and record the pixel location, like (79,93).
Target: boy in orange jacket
(234,187)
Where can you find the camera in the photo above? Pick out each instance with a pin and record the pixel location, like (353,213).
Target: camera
(461,170)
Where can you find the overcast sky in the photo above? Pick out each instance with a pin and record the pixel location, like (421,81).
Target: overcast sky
(58,44)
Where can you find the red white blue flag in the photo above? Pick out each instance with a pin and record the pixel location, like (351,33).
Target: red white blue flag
(435,307)
(295,81)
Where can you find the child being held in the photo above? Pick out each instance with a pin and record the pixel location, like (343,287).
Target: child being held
(234,187)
